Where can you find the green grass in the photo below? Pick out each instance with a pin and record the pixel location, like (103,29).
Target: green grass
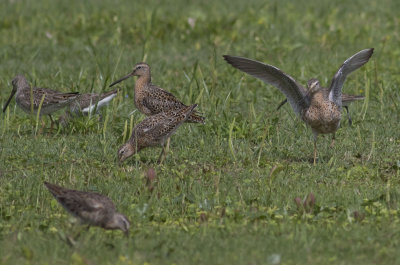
(225,194)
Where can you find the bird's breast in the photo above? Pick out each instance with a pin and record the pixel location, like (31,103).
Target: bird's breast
(323,118)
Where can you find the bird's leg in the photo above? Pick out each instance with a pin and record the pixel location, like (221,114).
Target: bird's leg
(315,148)
(348,115)
(64,119)
(168,141)
(43,124)
(52,123)
(161,157)
(80,231)
(100,118)
(281,104)
(333,140)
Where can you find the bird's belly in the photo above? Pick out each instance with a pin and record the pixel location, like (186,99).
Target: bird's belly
(323,119)
(25,105)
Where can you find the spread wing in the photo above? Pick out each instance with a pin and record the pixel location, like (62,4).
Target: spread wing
(295,93)
(351,64)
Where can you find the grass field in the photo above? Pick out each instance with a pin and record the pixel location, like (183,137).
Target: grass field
(225,194)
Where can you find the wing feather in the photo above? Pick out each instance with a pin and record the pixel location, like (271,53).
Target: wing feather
(295,93)
(350,65)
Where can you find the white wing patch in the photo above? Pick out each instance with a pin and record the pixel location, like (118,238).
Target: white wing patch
(101,103)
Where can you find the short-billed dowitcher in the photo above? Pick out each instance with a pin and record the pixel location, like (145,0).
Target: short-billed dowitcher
(151,99)
(318,107)
(86,103)
(53,100)
(155,130)
(90,208)
(346,100)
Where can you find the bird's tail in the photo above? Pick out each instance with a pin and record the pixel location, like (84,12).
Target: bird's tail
(109,93)
(346,99)
(196,117)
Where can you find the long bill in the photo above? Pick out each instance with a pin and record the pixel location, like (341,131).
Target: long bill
(9,99)
(121,79)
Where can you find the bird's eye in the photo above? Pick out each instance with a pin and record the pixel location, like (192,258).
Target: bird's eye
(139,67)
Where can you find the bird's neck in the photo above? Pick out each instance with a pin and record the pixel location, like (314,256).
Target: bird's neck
(135,143)
(317,98)
(21,89)
(143,81)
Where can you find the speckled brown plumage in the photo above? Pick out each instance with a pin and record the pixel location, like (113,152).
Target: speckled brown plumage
(90,207)
(346,101)
(318,107)
(154,130)
(52,102)
(151,99)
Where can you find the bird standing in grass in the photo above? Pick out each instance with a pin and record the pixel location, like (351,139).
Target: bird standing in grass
(151,99)
(91,208)
(29,99)
(346,100)
(318,107)
(87,103)
(155,130)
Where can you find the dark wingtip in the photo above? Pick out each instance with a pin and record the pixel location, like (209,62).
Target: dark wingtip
(191,108)
(48,185)
(193,116)
(236,61)
(371,50)
(227,58)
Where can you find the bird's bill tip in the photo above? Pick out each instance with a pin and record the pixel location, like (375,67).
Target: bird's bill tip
(120,161)
(9,100)
(121,79)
